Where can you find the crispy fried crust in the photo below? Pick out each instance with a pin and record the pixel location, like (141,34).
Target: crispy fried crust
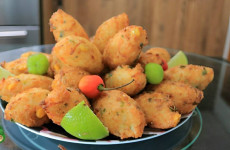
(120,114)
(19,66)
(197,76)
(159,110)
(75,51)
(185,97)
(25,107)
(124,74)
(68,77)
(63,24)
(60,101)
(154,55)
(13,85)
(125,46)
(108,29)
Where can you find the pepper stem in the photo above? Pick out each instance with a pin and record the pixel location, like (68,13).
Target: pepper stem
(102,88)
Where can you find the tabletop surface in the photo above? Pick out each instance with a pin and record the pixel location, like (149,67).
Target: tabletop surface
(214,108)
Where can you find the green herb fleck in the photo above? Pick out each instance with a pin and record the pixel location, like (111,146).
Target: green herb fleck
(61,34)
(102,111)
(141,45)
(76,56)
(122,104)
(12,120)
(122,36)
(132,128)
(150,99)
(173,108)
(54,28)
(110,75)
(197,86)
(204,72)
(182,66)
(71,40)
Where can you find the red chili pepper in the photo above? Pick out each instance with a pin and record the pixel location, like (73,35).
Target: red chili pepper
(164,65)
(92,85)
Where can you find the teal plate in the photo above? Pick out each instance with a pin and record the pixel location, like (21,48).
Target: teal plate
(174,140)
(56,132)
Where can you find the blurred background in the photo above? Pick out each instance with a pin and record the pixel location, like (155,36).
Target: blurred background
(198,26)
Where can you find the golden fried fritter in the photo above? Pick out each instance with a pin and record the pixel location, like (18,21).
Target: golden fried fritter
(60,101)
(197,76)
(125,46)
(154,55)
(25,108)
(63,24)
(29,53)
(13,85)
(108,29)
(159,110)
(75,51)
(124,74)
(120,114)
(19,65)
(69,77)
(185,97)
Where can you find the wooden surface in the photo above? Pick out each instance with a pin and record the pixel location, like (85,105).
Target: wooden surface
(197,26)
(47,9)
(229,56)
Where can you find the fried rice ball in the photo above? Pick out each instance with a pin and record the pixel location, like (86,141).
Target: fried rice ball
(124,74)
(75,51)
(125,46)
(63,24)
(185,97)
(19,66)
(120,114)
(25,108)
(60,101)
(108,29)
(197,76)
(13,85)
(69,77)
(160,111)
(154,55)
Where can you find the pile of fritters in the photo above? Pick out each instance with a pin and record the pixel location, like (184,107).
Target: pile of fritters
(114,53)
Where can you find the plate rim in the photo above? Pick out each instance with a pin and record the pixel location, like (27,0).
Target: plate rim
(100,142)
